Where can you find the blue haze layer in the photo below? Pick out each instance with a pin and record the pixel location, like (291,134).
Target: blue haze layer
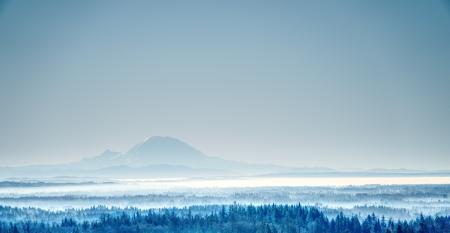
(342,84)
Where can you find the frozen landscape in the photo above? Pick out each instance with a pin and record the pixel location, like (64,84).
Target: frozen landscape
(123,182)
(246,116)
(399,201)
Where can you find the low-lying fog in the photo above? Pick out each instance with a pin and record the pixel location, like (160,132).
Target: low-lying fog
(398,197)
(113,187)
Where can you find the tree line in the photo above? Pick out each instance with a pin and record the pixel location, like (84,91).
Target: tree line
(230,219)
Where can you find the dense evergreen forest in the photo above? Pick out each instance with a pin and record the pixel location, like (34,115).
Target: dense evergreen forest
(233,218)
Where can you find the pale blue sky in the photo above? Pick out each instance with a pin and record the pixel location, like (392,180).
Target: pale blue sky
(343,84)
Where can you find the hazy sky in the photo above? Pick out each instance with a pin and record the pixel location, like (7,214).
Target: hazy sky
(343,84)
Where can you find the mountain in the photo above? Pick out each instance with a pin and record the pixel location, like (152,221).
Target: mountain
(159,157)
(155,157)
(163,150)
(174,152)
(105,159)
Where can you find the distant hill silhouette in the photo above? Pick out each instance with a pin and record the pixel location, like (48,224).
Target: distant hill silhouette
(155,157)
(170,157)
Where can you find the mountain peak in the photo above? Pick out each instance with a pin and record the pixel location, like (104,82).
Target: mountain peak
(155,139)
(161,141)
(158,149)
(108,152)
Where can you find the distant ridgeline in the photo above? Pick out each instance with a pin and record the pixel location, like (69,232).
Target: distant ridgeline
(233,218)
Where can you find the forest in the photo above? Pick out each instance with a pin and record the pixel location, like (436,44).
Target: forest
(404,202)
(226,218)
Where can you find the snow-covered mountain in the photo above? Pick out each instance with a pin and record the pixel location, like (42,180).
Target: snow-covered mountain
(155,157)
(158,157)
(171,151)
